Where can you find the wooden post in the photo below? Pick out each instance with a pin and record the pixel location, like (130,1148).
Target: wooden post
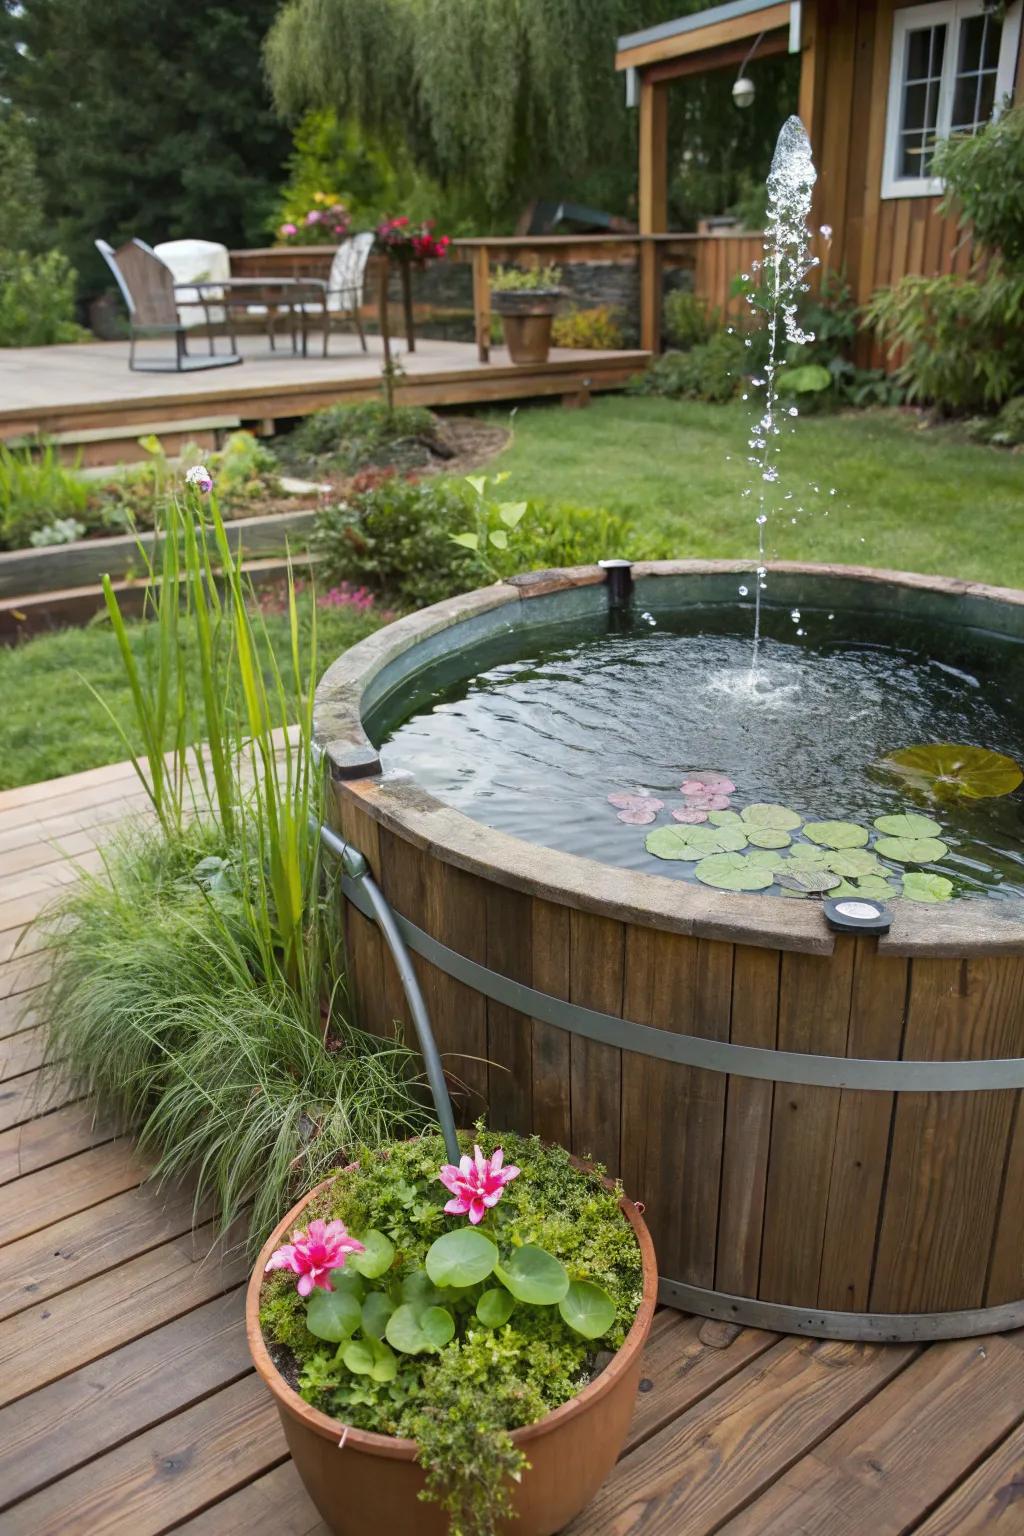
(653,206)
(410,334)
(385,334)
(482,301)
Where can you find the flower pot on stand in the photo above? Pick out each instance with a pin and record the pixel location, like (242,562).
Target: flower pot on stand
(526,318)
(362,1481)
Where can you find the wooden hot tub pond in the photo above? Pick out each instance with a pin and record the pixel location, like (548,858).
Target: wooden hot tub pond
(825,1130)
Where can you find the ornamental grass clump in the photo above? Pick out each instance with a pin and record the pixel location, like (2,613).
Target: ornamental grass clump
(452,1304)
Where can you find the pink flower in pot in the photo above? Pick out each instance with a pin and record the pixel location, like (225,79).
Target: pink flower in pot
(476,1184)
(313,1253)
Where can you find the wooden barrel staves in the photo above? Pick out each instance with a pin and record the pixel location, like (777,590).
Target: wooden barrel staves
(824,1130)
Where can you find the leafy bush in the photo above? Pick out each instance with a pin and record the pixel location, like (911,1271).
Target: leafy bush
(600,328)
(687,319)
(525,279)
(1005,430)
(37,300)
(37,492)
(961,342)
(347,438)
(399,541)
(712,371)
(984,175)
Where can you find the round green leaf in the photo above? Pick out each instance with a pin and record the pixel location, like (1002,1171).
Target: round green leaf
(724,818)
(438,1327)
(587,1308)
(333,1315)
(349,1281)
(385,1366)
(694,842)
(946,770)
(836,834)
(495,1307)
(779,817)
(766,858)
(403,1331)
(875,886)
(911,850)
(910,825)
(918,885)
(732,872)
(534,1276)
(807,856)
(359,1358)
(377,1260)
(768,837)
(461,1258)
(852,863)
(808,882)
(420,1290)
(377,1308)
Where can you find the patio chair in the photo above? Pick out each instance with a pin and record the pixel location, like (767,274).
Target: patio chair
(148,288)
(343,290)
(196,261)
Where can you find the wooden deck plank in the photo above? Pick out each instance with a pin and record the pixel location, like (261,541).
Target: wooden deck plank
(732,1445)
(16,1014)
(66,1253)
(165,1474)
(39,1143)
(38,1200)
(35,1093)
(988,1503)
(902,1452)
(276,1504)
(63,1425)
(22,974)
(22,1052)
(49,1340)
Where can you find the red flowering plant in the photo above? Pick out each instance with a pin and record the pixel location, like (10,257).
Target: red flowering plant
(404,241)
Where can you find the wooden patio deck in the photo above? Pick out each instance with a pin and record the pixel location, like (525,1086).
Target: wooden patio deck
(129,1407)
(86,393)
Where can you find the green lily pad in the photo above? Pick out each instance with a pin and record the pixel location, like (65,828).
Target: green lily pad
(947,770)
(853,863)
(732,872)
(911,850)
(767,858)
(587,1308)
(808,856)
(724,818)
(377,1257)
(920,886)
(778,817)
(910,825)
(875,886)
(461,1258)
(495,1307)
(333,1315)
(836,834)
(809,882)
(768,837)
(534,1276)
(787,890)
(694,842)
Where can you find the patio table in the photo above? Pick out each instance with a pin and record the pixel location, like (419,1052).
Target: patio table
(272,294)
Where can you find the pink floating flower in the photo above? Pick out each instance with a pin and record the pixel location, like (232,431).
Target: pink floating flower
(200,477)
(314,1253)
(477,1183)
(691,814)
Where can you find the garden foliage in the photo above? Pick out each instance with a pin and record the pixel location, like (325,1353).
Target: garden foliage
(344,439)
(600,327)
(712,370)
(37,284)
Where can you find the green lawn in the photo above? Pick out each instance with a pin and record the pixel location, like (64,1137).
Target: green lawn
(908,498)
(905,497)
(53,724)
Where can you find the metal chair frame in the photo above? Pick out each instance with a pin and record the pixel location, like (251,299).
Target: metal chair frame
(148,288)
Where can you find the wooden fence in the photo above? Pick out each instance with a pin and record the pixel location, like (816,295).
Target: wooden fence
(715,260)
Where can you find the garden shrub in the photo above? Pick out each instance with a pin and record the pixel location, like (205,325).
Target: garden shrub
(397,540)
(687,320)
(347,438)
(599,328)
(712,371)
(1005,430)
(37,300)
(37,493)
(960,340)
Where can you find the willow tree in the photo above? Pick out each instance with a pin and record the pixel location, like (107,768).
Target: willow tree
(509,97)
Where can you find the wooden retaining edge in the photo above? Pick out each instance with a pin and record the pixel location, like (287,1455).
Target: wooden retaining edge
(58,568)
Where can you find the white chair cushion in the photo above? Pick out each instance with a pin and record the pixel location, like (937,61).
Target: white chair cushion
(194,261)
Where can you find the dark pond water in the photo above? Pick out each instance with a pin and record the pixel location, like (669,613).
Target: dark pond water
(534,742)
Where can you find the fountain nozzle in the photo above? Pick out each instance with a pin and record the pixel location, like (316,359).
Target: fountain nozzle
(619,581)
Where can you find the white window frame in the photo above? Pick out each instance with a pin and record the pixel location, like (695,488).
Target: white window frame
(909,19)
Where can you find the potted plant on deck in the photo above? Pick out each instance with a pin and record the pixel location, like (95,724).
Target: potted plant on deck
(455,1349)
(527,302)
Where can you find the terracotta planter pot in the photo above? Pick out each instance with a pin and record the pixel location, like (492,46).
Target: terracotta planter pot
(362,1482)
(526,317)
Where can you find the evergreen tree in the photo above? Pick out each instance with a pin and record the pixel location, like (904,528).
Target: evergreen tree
(147,117)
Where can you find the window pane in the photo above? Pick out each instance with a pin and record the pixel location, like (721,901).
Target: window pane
(974,85)
(972,31)
(921,85)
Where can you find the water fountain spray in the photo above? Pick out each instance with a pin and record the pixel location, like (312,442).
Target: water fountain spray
(787,262)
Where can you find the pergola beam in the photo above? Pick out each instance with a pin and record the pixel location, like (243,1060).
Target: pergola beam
(692,35)
(717,58)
